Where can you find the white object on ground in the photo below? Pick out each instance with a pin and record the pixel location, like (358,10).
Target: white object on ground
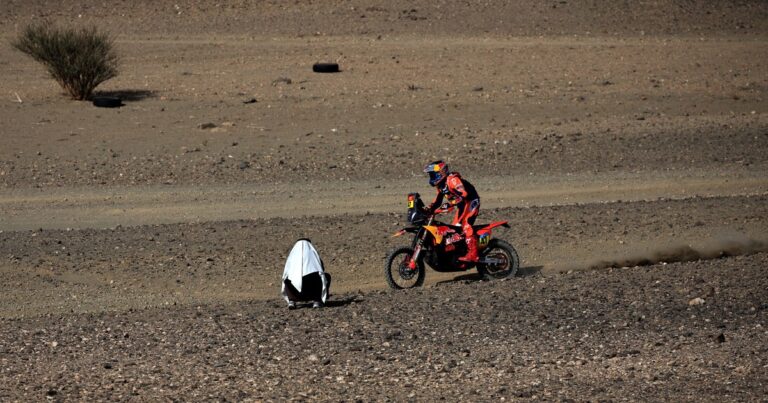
(302,260)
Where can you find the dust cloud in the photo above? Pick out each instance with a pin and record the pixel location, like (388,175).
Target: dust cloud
(722,245)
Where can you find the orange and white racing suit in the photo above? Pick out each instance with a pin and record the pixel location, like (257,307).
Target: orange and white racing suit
(463,196)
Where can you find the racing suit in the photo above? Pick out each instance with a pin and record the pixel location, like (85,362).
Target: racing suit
(463,196)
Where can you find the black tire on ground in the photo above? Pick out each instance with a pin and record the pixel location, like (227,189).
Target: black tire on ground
(503,251)
(397,273)
(325,67)
(107,102)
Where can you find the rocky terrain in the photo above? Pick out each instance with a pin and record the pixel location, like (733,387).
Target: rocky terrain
(625,142)
(682,332)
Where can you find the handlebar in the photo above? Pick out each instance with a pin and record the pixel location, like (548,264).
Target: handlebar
(445,208)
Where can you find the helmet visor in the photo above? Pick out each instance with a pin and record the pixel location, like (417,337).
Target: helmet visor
(435,178)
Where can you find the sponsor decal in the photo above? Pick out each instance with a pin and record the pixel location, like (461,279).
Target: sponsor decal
(452,239)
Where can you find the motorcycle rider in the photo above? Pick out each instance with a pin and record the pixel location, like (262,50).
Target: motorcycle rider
(461,195)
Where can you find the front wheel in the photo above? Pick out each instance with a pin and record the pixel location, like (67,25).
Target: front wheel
(503,261)
(397,272)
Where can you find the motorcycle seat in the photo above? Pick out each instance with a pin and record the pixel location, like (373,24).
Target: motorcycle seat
(475,227)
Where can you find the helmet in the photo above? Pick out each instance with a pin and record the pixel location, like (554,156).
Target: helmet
(437,171)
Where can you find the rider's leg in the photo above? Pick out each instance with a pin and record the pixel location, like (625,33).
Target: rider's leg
(459,212)
(467,219)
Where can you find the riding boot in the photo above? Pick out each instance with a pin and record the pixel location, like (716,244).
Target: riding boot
(471,255)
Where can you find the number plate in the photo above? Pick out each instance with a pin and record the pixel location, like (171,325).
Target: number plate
(484,239)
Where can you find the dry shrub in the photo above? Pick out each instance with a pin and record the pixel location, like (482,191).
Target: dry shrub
(78,59)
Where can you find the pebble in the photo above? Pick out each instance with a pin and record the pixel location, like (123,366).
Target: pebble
(696,301)
(720,338)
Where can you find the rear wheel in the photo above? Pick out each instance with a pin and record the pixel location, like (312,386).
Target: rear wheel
(505,261)
(397,272)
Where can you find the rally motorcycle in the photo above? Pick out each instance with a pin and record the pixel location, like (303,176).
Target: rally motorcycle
(441,245)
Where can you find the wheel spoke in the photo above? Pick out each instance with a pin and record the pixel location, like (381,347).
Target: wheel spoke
(399,273)
(502,261)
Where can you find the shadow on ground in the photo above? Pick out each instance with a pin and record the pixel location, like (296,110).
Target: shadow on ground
(335,303)
(472,277)
(330,303)
(127,95)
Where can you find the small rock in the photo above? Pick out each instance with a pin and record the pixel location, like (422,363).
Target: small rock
(282,80)
(244,165)
(204,126)
(720,338)
(696,301)
(250,101)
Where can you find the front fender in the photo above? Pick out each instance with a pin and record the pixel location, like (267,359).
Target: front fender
(432,229)
(406,230)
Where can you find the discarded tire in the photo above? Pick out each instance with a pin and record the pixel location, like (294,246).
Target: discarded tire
(325,67)
(107,102)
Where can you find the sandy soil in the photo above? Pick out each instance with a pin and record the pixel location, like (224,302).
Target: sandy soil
(627,143)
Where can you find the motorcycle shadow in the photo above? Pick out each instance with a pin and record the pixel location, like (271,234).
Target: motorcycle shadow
(474,276)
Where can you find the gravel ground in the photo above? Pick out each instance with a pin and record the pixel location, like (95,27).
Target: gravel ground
(683,332)
(659,298)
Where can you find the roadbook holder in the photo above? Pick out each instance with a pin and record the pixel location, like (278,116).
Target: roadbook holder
(416,214)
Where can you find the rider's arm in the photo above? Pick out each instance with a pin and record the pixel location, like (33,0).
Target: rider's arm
(457,187)
(436,203)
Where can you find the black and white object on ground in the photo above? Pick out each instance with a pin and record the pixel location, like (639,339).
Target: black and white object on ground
(304,277)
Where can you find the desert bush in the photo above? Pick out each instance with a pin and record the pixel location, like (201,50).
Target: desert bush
(78,59)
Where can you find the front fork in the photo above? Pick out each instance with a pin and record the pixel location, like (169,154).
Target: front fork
(418,246)
(415,257)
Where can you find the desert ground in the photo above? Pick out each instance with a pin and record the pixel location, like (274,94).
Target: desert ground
(141,247)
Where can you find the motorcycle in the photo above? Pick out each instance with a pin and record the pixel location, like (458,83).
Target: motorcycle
(440,245)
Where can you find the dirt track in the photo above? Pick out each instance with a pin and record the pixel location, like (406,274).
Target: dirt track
(626,143)
(109,207)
